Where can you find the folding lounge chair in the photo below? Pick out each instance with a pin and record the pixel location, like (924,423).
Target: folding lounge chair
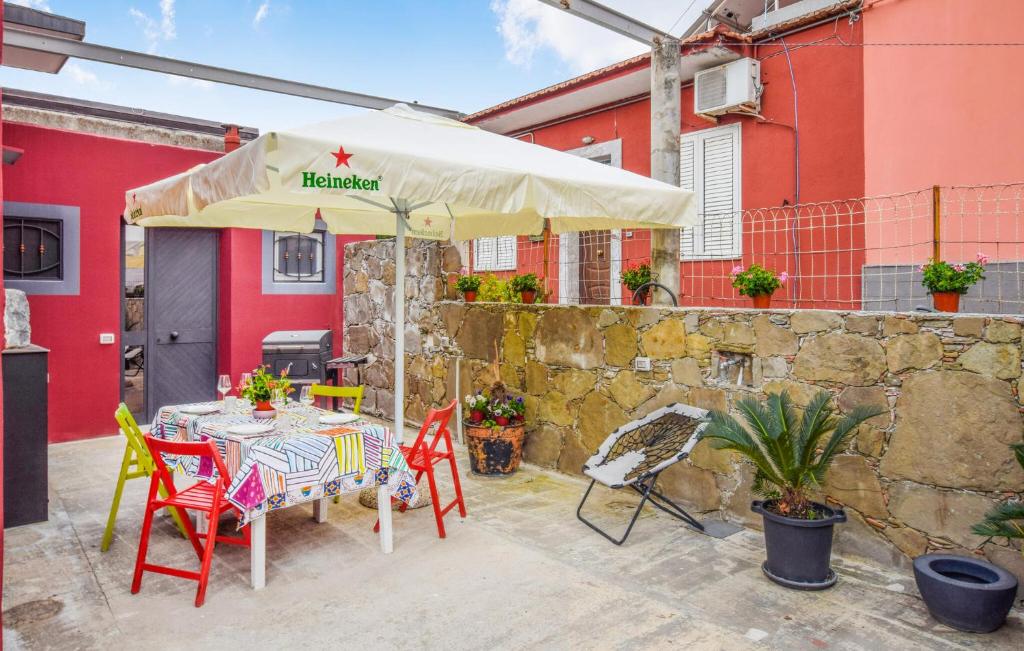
(636,453)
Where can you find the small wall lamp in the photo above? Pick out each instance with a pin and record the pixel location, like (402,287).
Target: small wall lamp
(588,140)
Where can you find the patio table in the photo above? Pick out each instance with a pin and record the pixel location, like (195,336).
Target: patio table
(301,461)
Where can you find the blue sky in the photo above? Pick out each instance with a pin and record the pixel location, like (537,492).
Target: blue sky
(460,54)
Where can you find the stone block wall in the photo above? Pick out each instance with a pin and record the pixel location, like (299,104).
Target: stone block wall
(914,479)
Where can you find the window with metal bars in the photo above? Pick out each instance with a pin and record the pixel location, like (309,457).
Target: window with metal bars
(710,167)
(494,253)
(33,248)
(299,257)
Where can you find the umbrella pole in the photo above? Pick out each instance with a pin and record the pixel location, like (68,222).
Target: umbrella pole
(400,217)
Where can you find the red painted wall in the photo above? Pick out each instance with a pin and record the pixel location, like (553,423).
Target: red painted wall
(830,82)
(247,315)
(92,173)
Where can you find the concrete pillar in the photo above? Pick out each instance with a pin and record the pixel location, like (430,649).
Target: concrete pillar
(666,119)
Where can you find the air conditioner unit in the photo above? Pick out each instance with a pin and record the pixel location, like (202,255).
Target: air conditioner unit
(733,87)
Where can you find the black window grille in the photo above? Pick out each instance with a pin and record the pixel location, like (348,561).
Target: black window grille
(299,257)
(33,248)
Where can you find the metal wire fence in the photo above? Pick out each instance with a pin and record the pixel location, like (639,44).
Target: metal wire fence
(847,254)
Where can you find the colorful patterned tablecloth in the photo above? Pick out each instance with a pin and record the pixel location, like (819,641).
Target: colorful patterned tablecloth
(300,461)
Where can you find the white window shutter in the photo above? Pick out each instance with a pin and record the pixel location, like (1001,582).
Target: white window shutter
(494,253)
(710,167)
(505,256)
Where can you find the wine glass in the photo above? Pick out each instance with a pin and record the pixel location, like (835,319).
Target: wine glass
(306,395)
(278,399)
(224,385)
(244,381)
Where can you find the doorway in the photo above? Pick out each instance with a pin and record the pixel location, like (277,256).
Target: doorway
(169,317)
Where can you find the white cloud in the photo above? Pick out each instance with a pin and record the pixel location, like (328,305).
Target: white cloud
(175,80)
(153,30)
(80,75)
(261,13)
(41,5)
(528,27)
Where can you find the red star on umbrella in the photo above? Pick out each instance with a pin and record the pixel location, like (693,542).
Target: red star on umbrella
(341,157)
(427,221)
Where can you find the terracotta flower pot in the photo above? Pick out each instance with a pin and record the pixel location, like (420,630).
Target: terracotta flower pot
(263,409)
(946,301)
(469,296)
(528,296)
(641,297)
(494,450)
(761,301)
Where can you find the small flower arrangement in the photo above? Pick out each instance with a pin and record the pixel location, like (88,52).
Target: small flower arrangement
(636,276)
(756,280)
(495,408)
(940,276)
(526,285)
(263,386)
(468,284)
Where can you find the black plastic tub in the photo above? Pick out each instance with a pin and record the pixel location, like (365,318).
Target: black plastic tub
(799,551)
(966,593)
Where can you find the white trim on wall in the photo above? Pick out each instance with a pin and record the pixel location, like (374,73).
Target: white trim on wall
(609,152)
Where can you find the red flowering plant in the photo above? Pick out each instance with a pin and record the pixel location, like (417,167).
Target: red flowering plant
(263,385)
(940,276)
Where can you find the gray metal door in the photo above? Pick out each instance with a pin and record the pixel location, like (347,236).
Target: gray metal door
(181,316)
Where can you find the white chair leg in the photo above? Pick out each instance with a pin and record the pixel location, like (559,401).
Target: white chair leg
(320,509)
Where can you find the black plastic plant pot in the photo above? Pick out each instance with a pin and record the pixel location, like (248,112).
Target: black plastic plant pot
(799,550)
(966,593)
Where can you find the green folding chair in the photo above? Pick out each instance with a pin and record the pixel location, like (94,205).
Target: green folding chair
(136,463)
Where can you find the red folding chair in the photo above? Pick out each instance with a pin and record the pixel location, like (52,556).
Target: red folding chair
(209,497)
(422,457)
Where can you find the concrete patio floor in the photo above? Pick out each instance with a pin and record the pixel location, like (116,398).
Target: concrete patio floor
(519,572)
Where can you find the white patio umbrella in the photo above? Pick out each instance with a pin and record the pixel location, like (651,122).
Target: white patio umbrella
(403,172)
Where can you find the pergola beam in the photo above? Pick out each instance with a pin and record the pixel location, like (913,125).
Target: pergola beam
(105,54)
(610,19)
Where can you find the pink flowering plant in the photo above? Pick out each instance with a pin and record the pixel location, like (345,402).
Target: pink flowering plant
(756,280)
(940,276)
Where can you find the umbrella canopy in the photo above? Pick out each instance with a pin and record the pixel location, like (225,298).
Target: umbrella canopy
(466,183)
(400,171)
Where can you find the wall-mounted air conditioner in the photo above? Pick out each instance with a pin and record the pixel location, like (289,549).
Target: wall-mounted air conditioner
(733,87)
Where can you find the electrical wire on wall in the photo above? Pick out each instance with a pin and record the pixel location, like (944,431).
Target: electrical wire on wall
(796,171)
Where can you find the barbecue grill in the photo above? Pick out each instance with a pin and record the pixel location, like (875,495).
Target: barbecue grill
(306,351)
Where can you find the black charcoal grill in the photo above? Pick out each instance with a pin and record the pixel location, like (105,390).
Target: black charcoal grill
(307,351)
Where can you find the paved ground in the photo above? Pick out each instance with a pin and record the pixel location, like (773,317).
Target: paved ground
(519,572)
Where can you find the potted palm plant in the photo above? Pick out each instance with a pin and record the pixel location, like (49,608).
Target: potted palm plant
(791,453)
(636,277)
(468,285)
(758,283)
(946,282)
(527,285)
(971,594)
(494,431)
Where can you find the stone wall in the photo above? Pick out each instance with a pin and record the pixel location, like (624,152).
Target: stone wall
(369,285)
(914,479)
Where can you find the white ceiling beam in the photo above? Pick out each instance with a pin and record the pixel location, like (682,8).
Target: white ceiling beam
(92,52)
(610,19)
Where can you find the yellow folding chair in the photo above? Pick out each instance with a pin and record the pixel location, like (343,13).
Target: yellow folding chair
(136,456)
(326,391)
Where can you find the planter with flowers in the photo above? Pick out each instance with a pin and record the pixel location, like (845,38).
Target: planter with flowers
(468,285)
(636,277)
(527,286)
(946,282)
(758,283)
(263,388)
(494,430)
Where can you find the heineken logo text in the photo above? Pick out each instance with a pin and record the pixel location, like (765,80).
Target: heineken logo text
(351,182)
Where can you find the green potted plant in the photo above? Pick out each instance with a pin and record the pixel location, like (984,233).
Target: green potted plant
(494,431)
(636,277)
(946,282)
(758,283)
(526,285)
(791,454)
(468,285)
(262,388)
